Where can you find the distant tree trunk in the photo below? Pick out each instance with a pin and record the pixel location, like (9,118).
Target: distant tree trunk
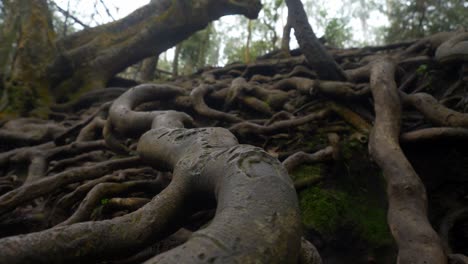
(363,15)
(175,61)
(30,24)
(8,32)
(148,69)
(204,47)
(274,38)
(317,56)
(65,22)
(286,36)
(247,44)
(69,66)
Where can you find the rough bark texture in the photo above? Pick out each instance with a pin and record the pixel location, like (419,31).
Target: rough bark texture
(407,212)
(88,59)
(25,69)
(317,56)
(207,164)
(240,156)
(96,53)
(148,69)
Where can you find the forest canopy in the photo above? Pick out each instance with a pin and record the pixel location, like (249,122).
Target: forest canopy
(342,23)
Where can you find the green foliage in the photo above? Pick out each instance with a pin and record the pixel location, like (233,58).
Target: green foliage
(199,50)
(267,20)
(264,37)
(104,201)
(414,19)
(335,28)
(337,32)
(422,69)
(233,52)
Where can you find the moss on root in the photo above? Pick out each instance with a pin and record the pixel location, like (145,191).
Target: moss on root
(322,210)
(26,100)
(307,171)
(327,211)
(350,199)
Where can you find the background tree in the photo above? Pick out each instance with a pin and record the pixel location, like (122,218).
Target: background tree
(89,59)
(318,58)
(362,133)
(263,37)
(415,19)
(199,50)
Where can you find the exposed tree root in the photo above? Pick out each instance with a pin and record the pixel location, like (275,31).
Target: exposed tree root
(309,254)
(80,192)
(99,240)
(248,127)
(434,111)
(43,186)
(407,213)
(436,133)
(200,106)
(209,199)
(448,223)
(328,153)
(25,132)
(103,190)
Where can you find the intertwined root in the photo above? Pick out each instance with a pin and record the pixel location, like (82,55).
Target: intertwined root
(78,176)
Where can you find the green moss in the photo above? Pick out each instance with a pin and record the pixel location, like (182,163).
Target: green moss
(318,140)
(27,99)
(422,69)
(351,148)
(322,210)
(328,211)
(307,171)
(351,198)
(370,220)
(104,201)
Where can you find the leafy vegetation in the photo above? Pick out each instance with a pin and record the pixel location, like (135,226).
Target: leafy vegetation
(414,19)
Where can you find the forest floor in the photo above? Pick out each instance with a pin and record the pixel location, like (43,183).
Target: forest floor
(72,168)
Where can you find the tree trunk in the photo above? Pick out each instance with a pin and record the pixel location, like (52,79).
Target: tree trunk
(26,78)
(317,57)
(286,36)
(248,40)
(148,69)
(88,59)
(204,47)
(175,62)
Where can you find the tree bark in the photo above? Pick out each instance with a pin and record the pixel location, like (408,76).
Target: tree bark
(26,78)
(148,69)
(317,57)
(407,214)
(248,40)
(88,59)
(286,36)
(175,62)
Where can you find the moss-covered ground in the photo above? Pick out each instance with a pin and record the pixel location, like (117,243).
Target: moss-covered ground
(348,207)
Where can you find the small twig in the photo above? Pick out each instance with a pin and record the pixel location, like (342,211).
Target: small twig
(107,10)
(66,13)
